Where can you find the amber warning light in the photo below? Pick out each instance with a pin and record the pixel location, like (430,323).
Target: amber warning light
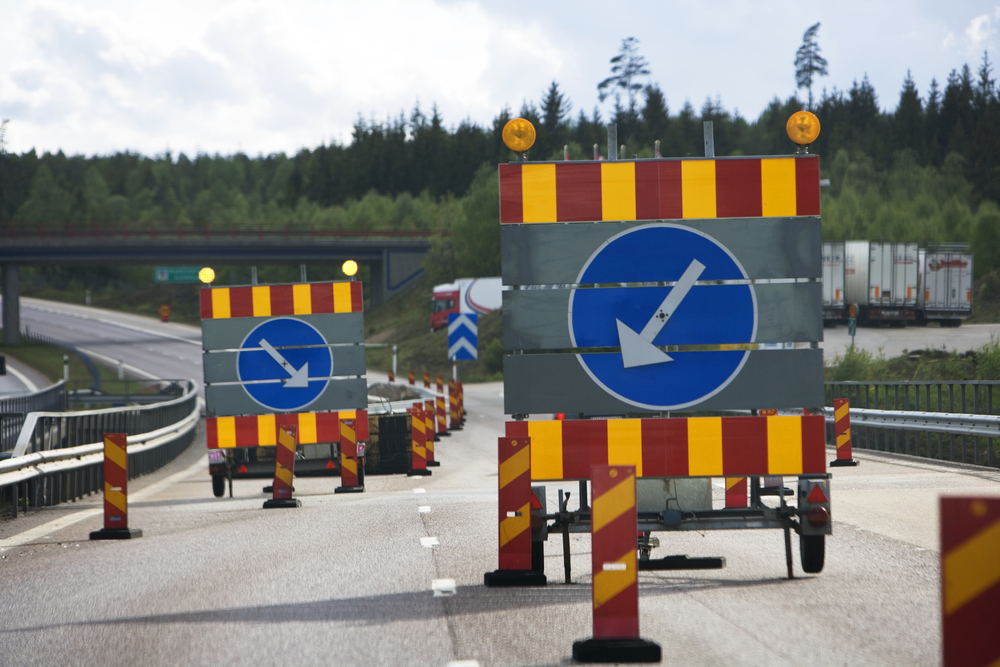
(519,135)
(802,127)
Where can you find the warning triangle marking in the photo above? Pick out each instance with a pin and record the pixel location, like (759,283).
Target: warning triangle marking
(330,466)
(817,495)
(242,469)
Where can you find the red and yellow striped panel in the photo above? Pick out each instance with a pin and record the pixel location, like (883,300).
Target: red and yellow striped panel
(418,437)
(514,502)
(842,427)
(736,492)
(659,189)
(693,447)
(348,452)
(613,558)
(115,481)
(262,430)
(970,580)
(277,300)
(284,462)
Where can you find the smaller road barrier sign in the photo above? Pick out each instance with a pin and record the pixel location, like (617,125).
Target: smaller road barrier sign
(463,336)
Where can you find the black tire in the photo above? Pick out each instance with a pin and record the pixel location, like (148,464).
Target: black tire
(538,557)
(219,485)
(811,551)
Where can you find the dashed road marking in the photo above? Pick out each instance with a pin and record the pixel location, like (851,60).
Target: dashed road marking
(429,542)
(424,509)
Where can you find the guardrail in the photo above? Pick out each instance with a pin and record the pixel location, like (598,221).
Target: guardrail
(15,409)
(59,456)
(946,420)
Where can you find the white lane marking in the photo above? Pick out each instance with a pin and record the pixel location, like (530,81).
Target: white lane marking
(420,490)
(463,663)
(23,379)
(424,509)
(443,587)
(58,524)
(429,542)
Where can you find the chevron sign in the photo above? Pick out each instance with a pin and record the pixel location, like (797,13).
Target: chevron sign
(463,334)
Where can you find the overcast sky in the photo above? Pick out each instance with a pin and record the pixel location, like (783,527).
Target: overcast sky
(220,76)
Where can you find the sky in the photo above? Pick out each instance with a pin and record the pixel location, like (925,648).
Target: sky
(221,76)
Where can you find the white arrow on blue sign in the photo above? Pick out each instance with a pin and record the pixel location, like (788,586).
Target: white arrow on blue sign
(463,336)
(290,378)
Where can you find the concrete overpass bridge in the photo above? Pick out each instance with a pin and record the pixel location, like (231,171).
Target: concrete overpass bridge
(395,257)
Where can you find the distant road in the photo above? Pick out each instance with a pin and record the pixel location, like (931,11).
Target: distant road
(897,342)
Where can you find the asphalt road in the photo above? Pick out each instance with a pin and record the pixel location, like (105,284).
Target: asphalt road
(347,579)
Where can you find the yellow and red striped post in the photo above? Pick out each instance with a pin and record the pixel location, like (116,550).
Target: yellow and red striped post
(461,401)
(116,491)
(736,492)
(413,378)
(970,580)
(514,505)
(427,380)
(418,465)
(429,435)
(350,472)
(613,528)
(439,384)
(392,376)
(842,433)
(453,405)
(284,469)
(442,422)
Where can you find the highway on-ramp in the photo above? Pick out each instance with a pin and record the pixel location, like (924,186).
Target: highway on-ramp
(349,579)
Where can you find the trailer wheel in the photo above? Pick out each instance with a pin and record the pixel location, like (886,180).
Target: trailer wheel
(538,557)
(811,551)
(218,485)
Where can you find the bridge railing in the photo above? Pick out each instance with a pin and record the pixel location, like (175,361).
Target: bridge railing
(15,409)
(247,230)
(932,419)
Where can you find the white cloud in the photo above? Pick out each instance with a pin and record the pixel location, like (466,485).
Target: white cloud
(979,31)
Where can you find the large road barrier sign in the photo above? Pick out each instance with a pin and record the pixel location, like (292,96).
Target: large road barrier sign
(284,470)
(115,491)
(970,580)
(615,569)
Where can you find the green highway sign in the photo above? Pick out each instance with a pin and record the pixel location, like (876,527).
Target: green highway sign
(176,274)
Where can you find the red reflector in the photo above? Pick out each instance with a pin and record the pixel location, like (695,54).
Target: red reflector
(560,415)
(818,517)
(330,466)
(535,504)
(243,469)
(817,495)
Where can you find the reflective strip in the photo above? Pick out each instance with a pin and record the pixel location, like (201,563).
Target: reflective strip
(347,433)
(842,411)
(220,303)
(116,498)
(844,438)
(302,299)
(546,449)
(704,446)
(698,188)
(610,505)
(349,464)
(342,298)
(971,568)
(115,454)
(625,443)
(784,445)
(617,190)
(261,301)
(517,465)
(266,430)
(284,474)
(307,428)
(609,582)
(538,185)
(286,439)
(226,429)
(733,481)
(513,526)
(777,187)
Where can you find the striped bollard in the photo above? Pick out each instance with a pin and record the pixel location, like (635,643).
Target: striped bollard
(461,401)
(614,524)
(412,378)
(116,491)
(842,433)
(284,469)
(392,376)
(351,473)
(453,406)
(430,437)
(418,465)
(439,384)
(514,505)
(442,421)
(427,380)
(736,492)
(970,580)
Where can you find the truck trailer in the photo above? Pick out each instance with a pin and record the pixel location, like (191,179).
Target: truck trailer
(945,287)
(881,279)
(465,295)
(834,308)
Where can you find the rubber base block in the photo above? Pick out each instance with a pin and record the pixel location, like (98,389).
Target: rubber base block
(841,463)
(116,533)
(683,563)
(433,464)
(349,489)
(616,650)
(514,578)
(270,489)
(281,502)
(419,472)
(444,434)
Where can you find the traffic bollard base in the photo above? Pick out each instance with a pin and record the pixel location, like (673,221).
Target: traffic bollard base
(616,650)
(683,563)
(418,472)
(433,464)
(514,578)
(116,533)
(841,463)
(281,502)
(349,489)
(444,433)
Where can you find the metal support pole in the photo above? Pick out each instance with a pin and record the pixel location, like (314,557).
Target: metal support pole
(612,141)
(656,149)
(302,273)
(11,305)
(709,138)
(395,359)
(253,275)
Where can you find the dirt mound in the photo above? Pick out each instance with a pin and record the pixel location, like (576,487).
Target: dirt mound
(393,392)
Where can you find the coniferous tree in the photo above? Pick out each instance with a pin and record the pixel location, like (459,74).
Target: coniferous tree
(809,64)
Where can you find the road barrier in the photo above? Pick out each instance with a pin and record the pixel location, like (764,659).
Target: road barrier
(439,384)
(427,380)
(392,376)
(418,426)
(615,572)
(284,469)
(115,491)
(412,378)
(351,469)
(970,580)
(14,410)
(842,433)
(514,504)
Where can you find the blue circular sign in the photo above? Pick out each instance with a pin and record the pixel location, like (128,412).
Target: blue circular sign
(285,364)
(642,315)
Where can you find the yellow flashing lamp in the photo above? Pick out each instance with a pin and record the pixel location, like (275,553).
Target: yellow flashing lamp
(802,127)
(519,134)
(350,267)
(206,275)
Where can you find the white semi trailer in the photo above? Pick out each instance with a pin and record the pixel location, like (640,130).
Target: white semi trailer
(945,287)
(881,279)
(834,305)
